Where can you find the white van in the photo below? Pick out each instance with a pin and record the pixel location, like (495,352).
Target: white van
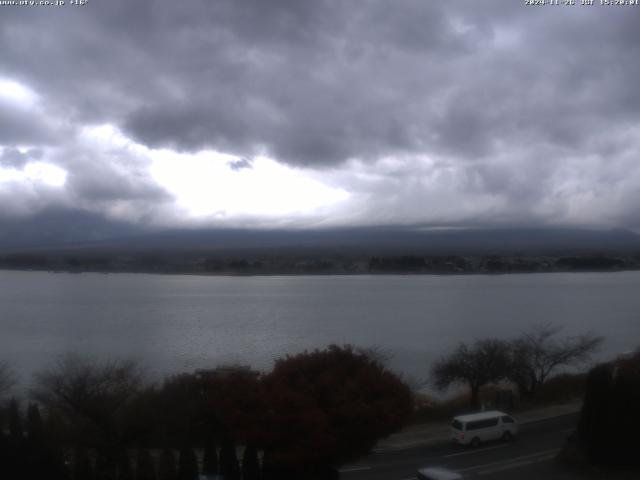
(481,427)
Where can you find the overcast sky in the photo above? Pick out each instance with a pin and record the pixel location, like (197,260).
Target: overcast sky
(322,112)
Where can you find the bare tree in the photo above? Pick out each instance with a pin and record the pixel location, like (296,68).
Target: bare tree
(538,353)
(384,356)
(485,361)
(81,386)
(7,378)
(90,395)
(379,354)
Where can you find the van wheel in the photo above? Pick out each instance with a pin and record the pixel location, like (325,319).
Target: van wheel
(507,437)
(475,442)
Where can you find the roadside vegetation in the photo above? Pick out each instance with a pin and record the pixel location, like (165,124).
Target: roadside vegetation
(607,430)
(527,362)
(90,419)
(314,411)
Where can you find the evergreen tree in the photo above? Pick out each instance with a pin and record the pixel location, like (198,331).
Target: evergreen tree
(15,421)
(210,460)
(250,464)
(82,468)
(229,467)
(9,461)
(610,416)
(124,467)
(167,466)
(35,426)
(267,466)
(144,466)
(104,467)
(188,465)
(41,461)
(56,467)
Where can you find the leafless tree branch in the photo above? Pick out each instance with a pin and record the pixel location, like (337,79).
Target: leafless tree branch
(7,378)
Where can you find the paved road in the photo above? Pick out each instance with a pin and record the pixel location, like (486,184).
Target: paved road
(528,457)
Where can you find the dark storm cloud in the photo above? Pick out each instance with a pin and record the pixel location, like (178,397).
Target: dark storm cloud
(106,174)
(99,181)
(515,103)
(21,126)
(312,82)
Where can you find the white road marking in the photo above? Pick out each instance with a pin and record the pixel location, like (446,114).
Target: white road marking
(354,469)
(515,465)
(504,467)
(510,461)
(469,452)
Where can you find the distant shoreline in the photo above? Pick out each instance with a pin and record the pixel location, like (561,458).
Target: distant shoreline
(188,262)
(310,274)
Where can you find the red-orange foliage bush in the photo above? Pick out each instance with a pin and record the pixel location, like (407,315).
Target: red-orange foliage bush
(330,406)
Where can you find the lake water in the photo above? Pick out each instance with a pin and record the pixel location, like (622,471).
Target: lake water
(180,323)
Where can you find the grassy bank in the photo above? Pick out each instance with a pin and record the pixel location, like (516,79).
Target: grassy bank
(562,388)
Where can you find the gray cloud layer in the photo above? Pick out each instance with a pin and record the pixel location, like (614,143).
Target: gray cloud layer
(529,113)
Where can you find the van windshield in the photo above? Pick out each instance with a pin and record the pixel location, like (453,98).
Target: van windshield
(457,425)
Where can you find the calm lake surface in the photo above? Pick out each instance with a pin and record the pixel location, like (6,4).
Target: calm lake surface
(176,323)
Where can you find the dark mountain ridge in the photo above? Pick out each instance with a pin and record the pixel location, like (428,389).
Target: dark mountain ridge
(84,233)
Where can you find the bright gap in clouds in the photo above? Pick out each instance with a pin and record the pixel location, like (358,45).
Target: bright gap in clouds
(36,172)
(205,184)
(17,93)
(46,173)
